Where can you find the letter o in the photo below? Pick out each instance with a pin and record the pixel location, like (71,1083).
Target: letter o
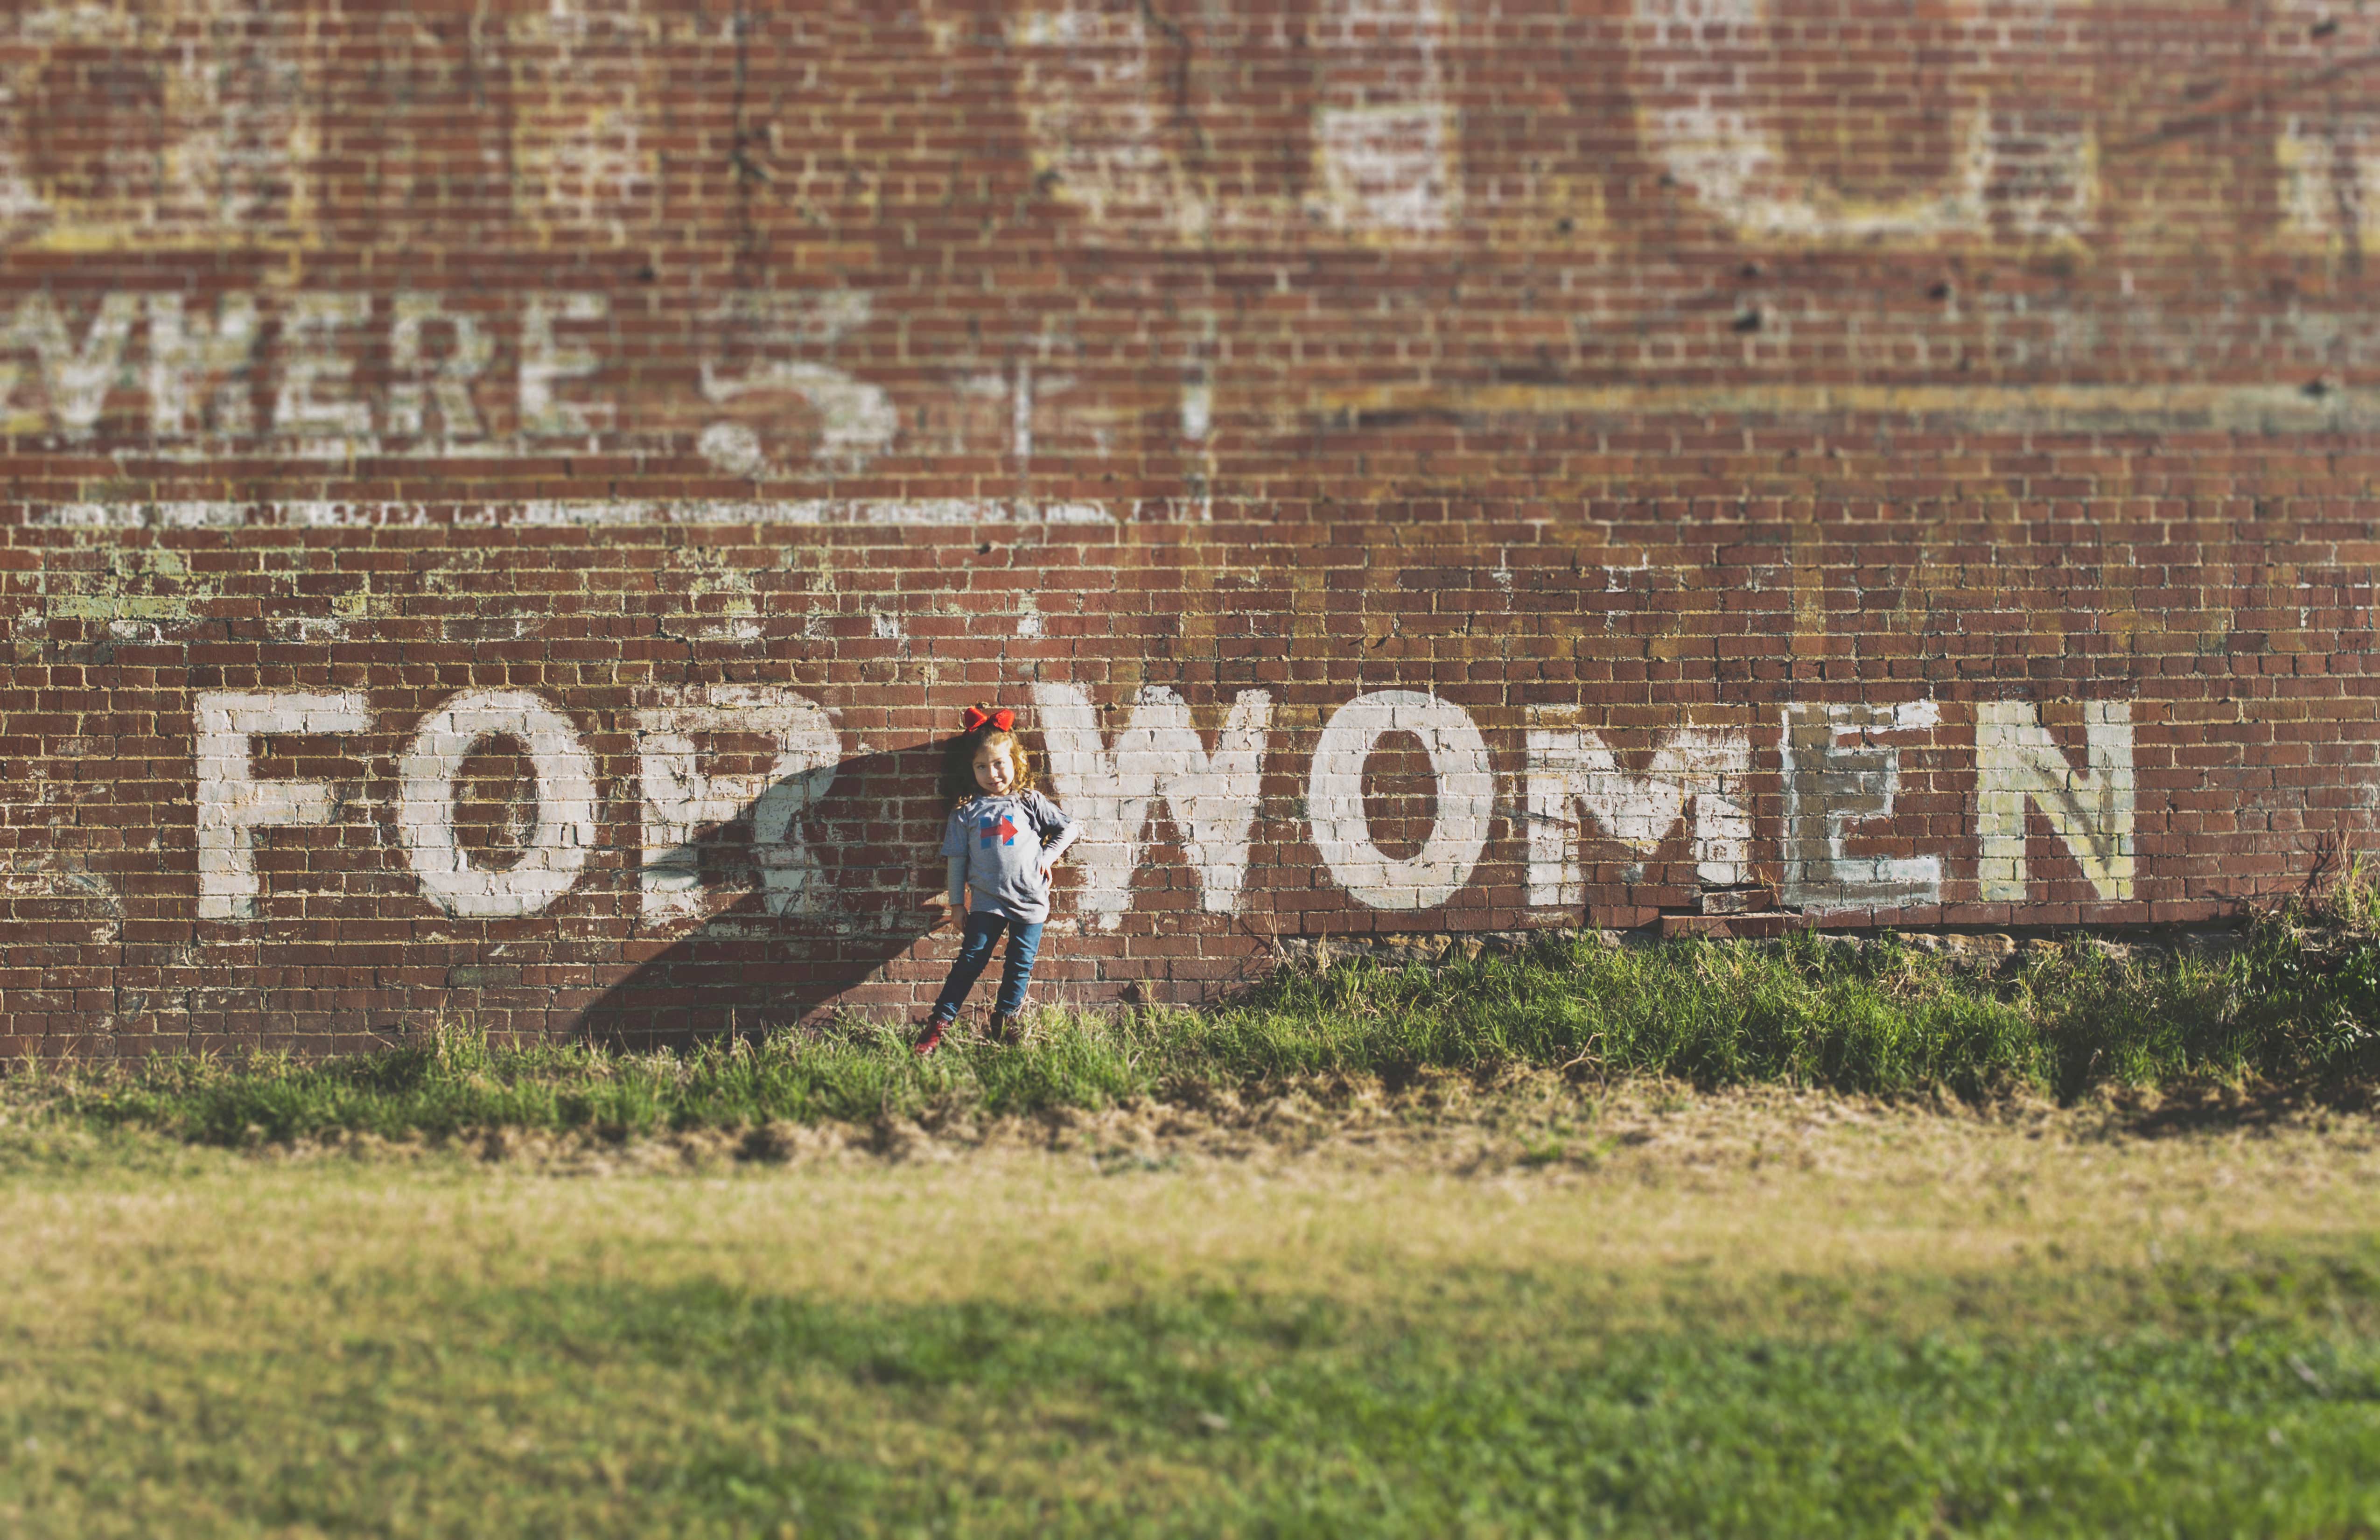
(1466,795)
(564,835)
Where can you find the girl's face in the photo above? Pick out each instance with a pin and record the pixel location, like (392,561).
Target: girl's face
(995,768)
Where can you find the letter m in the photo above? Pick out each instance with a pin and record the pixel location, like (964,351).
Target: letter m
(1213,798)
(1571,772)
(2017,762)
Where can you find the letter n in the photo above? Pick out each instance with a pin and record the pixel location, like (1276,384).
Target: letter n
(2017,763)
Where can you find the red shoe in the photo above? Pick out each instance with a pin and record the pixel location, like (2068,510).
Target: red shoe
(932,1037)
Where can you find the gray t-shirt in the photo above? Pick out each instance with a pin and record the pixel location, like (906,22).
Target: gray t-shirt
(1001,839)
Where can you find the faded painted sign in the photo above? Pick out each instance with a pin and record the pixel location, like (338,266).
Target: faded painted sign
(1838,774)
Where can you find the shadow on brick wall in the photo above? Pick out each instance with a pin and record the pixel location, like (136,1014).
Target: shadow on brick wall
(753,960)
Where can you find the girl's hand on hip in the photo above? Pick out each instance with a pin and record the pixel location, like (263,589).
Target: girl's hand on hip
(1048,868)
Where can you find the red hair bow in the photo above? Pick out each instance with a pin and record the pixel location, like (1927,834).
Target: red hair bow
(1003,719)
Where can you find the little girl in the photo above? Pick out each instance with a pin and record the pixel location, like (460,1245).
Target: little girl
(1003,839)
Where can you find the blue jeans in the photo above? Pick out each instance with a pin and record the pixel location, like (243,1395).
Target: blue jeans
(976,941)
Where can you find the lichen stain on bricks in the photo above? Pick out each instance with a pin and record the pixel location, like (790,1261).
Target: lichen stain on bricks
(131,591)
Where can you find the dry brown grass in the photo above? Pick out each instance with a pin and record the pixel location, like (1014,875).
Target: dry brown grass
(1337,1192)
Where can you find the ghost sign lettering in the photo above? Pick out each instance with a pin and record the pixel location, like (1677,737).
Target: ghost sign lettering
(1839,772)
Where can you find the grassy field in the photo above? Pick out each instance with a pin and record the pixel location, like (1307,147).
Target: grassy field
(1682,1240)
(1846,1319)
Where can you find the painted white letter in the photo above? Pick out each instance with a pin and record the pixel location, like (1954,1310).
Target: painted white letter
(1831,784)
(1466,795)
(183,357)
(564,835)
(545,362)
(680,796)
(1569,769)
(233,805)
(76,378)
(1212,799)
(448,383)
(857,420)
(2016,761)
(314,373)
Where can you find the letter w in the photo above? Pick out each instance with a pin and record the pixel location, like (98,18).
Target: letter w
(1569,769)
(1213,798)
(76,376)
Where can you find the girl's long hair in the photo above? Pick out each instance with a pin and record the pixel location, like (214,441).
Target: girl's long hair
(958,763)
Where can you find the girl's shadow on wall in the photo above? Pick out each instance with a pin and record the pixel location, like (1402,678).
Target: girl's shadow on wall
(758,950)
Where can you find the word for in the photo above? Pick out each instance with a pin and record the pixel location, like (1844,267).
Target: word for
(1840,772)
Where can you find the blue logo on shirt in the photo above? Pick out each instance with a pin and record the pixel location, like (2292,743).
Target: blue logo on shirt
(994,827)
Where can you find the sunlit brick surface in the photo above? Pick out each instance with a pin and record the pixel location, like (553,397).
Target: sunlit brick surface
(503,500)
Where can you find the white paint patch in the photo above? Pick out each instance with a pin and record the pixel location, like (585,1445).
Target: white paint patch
(556,848)
(233,805)
(680,797)
(1020,414)
(586,165)
(1717,72)
(1198,410)
(442,385)
(1386,137)
(222,87)
(857,420)
(1113,789)
(76,375)
(1089,88)
(1466,797)
(1838,777)
(548,362)
(2330,177)
(198,372)
(1388,169)
(317,405)
(2017,762)
(1100,88)
(1571,771)
(735,448)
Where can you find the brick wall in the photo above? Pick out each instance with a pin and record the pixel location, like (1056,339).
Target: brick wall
(503,500)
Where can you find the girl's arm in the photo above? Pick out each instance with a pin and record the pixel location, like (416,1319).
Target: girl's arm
(1057,847)
(958,884)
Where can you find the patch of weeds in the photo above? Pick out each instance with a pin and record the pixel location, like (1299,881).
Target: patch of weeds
(2298,1003)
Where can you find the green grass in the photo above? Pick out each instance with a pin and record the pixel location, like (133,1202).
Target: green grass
(2232,1401)
(2294,1004)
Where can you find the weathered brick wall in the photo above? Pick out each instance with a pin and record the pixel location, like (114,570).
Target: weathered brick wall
(502,498)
